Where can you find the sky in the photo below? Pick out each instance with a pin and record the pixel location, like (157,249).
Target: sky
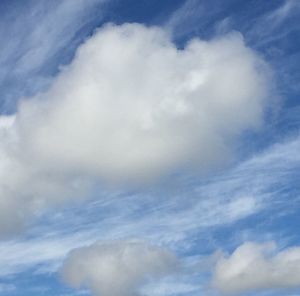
(149,148)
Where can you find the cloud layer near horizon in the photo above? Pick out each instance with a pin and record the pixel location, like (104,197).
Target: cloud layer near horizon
(130,108)
(117,268)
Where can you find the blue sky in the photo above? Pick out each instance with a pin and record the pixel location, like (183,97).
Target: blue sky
(166,130)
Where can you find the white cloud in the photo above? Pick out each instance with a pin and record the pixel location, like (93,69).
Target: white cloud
(117,268)
(247,189)
(258,267)
(132,106)
(129,108)
(25,188)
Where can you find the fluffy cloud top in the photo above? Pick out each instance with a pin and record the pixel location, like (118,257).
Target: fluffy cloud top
(133,106)
(258,267)
(129,108)
(116,268)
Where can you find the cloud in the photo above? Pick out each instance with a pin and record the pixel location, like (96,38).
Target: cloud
(258,186)
(288,8)
(117,268)
(31,54)
(278,24)
(130,108)
(258,267)
(25,188)
(43,254)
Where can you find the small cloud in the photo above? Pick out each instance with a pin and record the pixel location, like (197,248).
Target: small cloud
(257,267)
(117,268)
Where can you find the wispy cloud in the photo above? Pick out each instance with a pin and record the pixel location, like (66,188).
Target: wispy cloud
(168,219)
(276,23)
(42,36)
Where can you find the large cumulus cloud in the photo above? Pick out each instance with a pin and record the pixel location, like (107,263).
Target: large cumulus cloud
(131,105)
(130,108)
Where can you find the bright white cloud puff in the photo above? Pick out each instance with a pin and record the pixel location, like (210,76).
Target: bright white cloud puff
(128,109)
(258,267)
